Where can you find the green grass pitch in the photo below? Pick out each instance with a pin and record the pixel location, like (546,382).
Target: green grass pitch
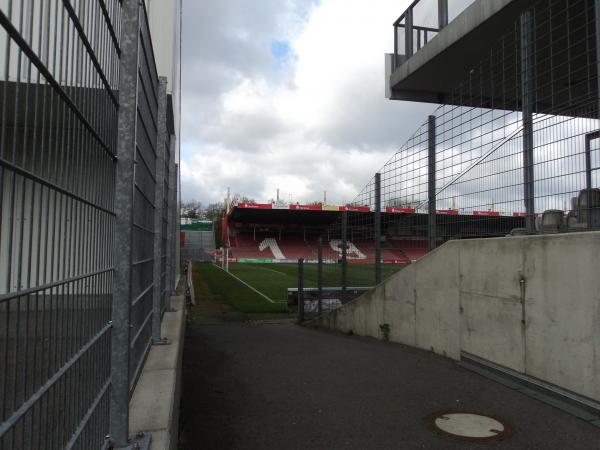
(273,280)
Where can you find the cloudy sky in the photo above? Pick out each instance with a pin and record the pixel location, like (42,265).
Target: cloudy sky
(288,94)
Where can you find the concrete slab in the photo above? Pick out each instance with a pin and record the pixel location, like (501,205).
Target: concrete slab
(285,386)
(150,408)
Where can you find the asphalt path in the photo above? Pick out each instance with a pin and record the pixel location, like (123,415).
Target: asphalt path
(281,386)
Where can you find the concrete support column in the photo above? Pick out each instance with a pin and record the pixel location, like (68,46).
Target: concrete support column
(432,218)
(121,312)
(377,228)
(527,105)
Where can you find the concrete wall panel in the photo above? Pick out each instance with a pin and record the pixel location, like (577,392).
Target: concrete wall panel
(400,306)
(437,301)
(491,307)
(562,311)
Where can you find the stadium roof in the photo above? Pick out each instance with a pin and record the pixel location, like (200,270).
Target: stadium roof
(494,222)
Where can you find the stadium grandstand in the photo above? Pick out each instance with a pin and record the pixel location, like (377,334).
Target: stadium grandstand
(269,233)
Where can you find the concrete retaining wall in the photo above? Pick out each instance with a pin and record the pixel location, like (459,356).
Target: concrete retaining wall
(529,303)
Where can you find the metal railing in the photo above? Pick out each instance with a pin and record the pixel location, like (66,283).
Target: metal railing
(410,37)
(77,265)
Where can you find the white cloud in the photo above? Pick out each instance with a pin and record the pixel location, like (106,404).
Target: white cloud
(318,122)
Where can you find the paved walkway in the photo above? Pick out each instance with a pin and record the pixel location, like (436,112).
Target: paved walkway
(280,386)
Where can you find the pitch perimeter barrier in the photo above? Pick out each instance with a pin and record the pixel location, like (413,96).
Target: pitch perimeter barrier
(86,209)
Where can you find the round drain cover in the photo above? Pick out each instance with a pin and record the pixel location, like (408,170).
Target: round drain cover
(469,426)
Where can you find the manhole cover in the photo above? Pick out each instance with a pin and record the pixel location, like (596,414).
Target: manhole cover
(469,426)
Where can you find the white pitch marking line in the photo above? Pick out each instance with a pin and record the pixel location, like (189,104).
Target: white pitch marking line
(272,270)
(246,284)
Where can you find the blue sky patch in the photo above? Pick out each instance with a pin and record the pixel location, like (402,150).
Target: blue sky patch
(280,50)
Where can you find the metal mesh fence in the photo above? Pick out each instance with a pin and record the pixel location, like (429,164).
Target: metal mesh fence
(60,70)
(145,181)
(514,150)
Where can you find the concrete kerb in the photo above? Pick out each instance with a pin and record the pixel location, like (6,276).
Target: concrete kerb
(154,406)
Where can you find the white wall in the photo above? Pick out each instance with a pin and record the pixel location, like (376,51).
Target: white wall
(530,303)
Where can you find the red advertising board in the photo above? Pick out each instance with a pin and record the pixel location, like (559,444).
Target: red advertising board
(255,205)
(486,213)
(447,212)
(355,208)
(400,210)
(307,207)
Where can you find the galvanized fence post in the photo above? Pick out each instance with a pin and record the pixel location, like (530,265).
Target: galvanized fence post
(171,238)
(377,228)
(432,224)
(528,100)
(597,21)
(121,304)
(300,290)
(344,254)
(320,273)
(159,196)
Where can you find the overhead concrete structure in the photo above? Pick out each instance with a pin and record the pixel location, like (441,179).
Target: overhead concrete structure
(476,37)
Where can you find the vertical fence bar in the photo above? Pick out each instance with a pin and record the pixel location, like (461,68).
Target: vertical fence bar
(588,160)
(377,228)
(344,254)
(395,62)
(597,21)
(159,196)
(408,32)
(432,219)
(300,290)
(527,99)
(128,87)
(172,240)
(442,13)
(320,274)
